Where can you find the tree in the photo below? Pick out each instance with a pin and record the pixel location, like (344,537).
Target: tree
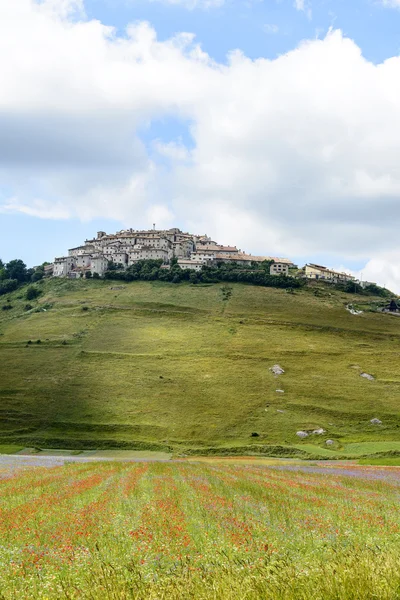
(38,274)
(8,285)
(88,274)
(16,269)
(96,275)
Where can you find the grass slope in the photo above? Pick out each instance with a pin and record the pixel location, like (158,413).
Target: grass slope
(151,365)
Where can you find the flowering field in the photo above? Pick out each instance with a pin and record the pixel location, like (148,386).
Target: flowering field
(192,530)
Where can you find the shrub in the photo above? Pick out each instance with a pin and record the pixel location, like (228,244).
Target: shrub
(8,285)
(6,307)
(96,276)
(32,293)
(28,307)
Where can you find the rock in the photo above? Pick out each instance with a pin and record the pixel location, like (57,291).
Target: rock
(376,422)
(367,376)
(302,434)
(277,370)
(353,311)
(280,391)
(319,431)
(329,442)
(280,411)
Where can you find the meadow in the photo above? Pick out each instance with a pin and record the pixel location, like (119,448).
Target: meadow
(184,369)
(217,530)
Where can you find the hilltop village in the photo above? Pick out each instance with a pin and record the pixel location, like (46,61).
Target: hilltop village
(188,251)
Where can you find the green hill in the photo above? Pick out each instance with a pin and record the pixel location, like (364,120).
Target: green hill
(156,365)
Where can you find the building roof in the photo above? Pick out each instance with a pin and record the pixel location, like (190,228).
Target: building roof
(218,248)
(79,247)
(240,257)
(327,270)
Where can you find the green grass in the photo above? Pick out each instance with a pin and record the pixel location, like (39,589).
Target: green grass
(386,462)
(175,368)
(10,449)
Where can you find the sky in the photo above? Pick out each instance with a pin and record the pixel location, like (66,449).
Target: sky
(273,125)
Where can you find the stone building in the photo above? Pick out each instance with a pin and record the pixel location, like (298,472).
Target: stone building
(128,246)
(321,273)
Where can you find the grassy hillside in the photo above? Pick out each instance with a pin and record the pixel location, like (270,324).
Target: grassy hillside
(157,365)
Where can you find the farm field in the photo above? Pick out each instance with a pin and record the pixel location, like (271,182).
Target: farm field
(184,369)
(216,530)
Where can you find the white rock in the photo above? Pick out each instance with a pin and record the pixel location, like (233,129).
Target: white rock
(279,411)
(367,376)
(329,442)
(353,311)
(280,391)
(376,422)
(319,431)
(277,370)
(302,434)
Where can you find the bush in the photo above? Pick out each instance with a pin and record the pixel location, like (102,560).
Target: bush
(8,285)
(28,307)
(88,274)
(6,307)
(32,293)
(38,275)
(96,276)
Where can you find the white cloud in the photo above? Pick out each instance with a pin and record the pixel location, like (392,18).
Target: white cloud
(190,4)
(304,6)
(384,269)
(37,208)
(295,156)
(391,3)
(176,150)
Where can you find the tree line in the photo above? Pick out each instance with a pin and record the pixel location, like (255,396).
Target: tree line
(152,270)
(15,273)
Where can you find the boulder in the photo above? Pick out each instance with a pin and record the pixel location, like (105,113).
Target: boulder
(319,431)
(329,442)
(277,370)
(302,434)
(367,376)
(376,422)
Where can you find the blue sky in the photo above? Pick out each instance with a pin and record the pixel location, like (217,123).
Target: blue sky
(145,152)
(244,25)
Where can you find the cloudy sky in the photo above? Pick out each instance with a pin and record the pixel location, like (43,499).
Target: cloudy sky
(270,124)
